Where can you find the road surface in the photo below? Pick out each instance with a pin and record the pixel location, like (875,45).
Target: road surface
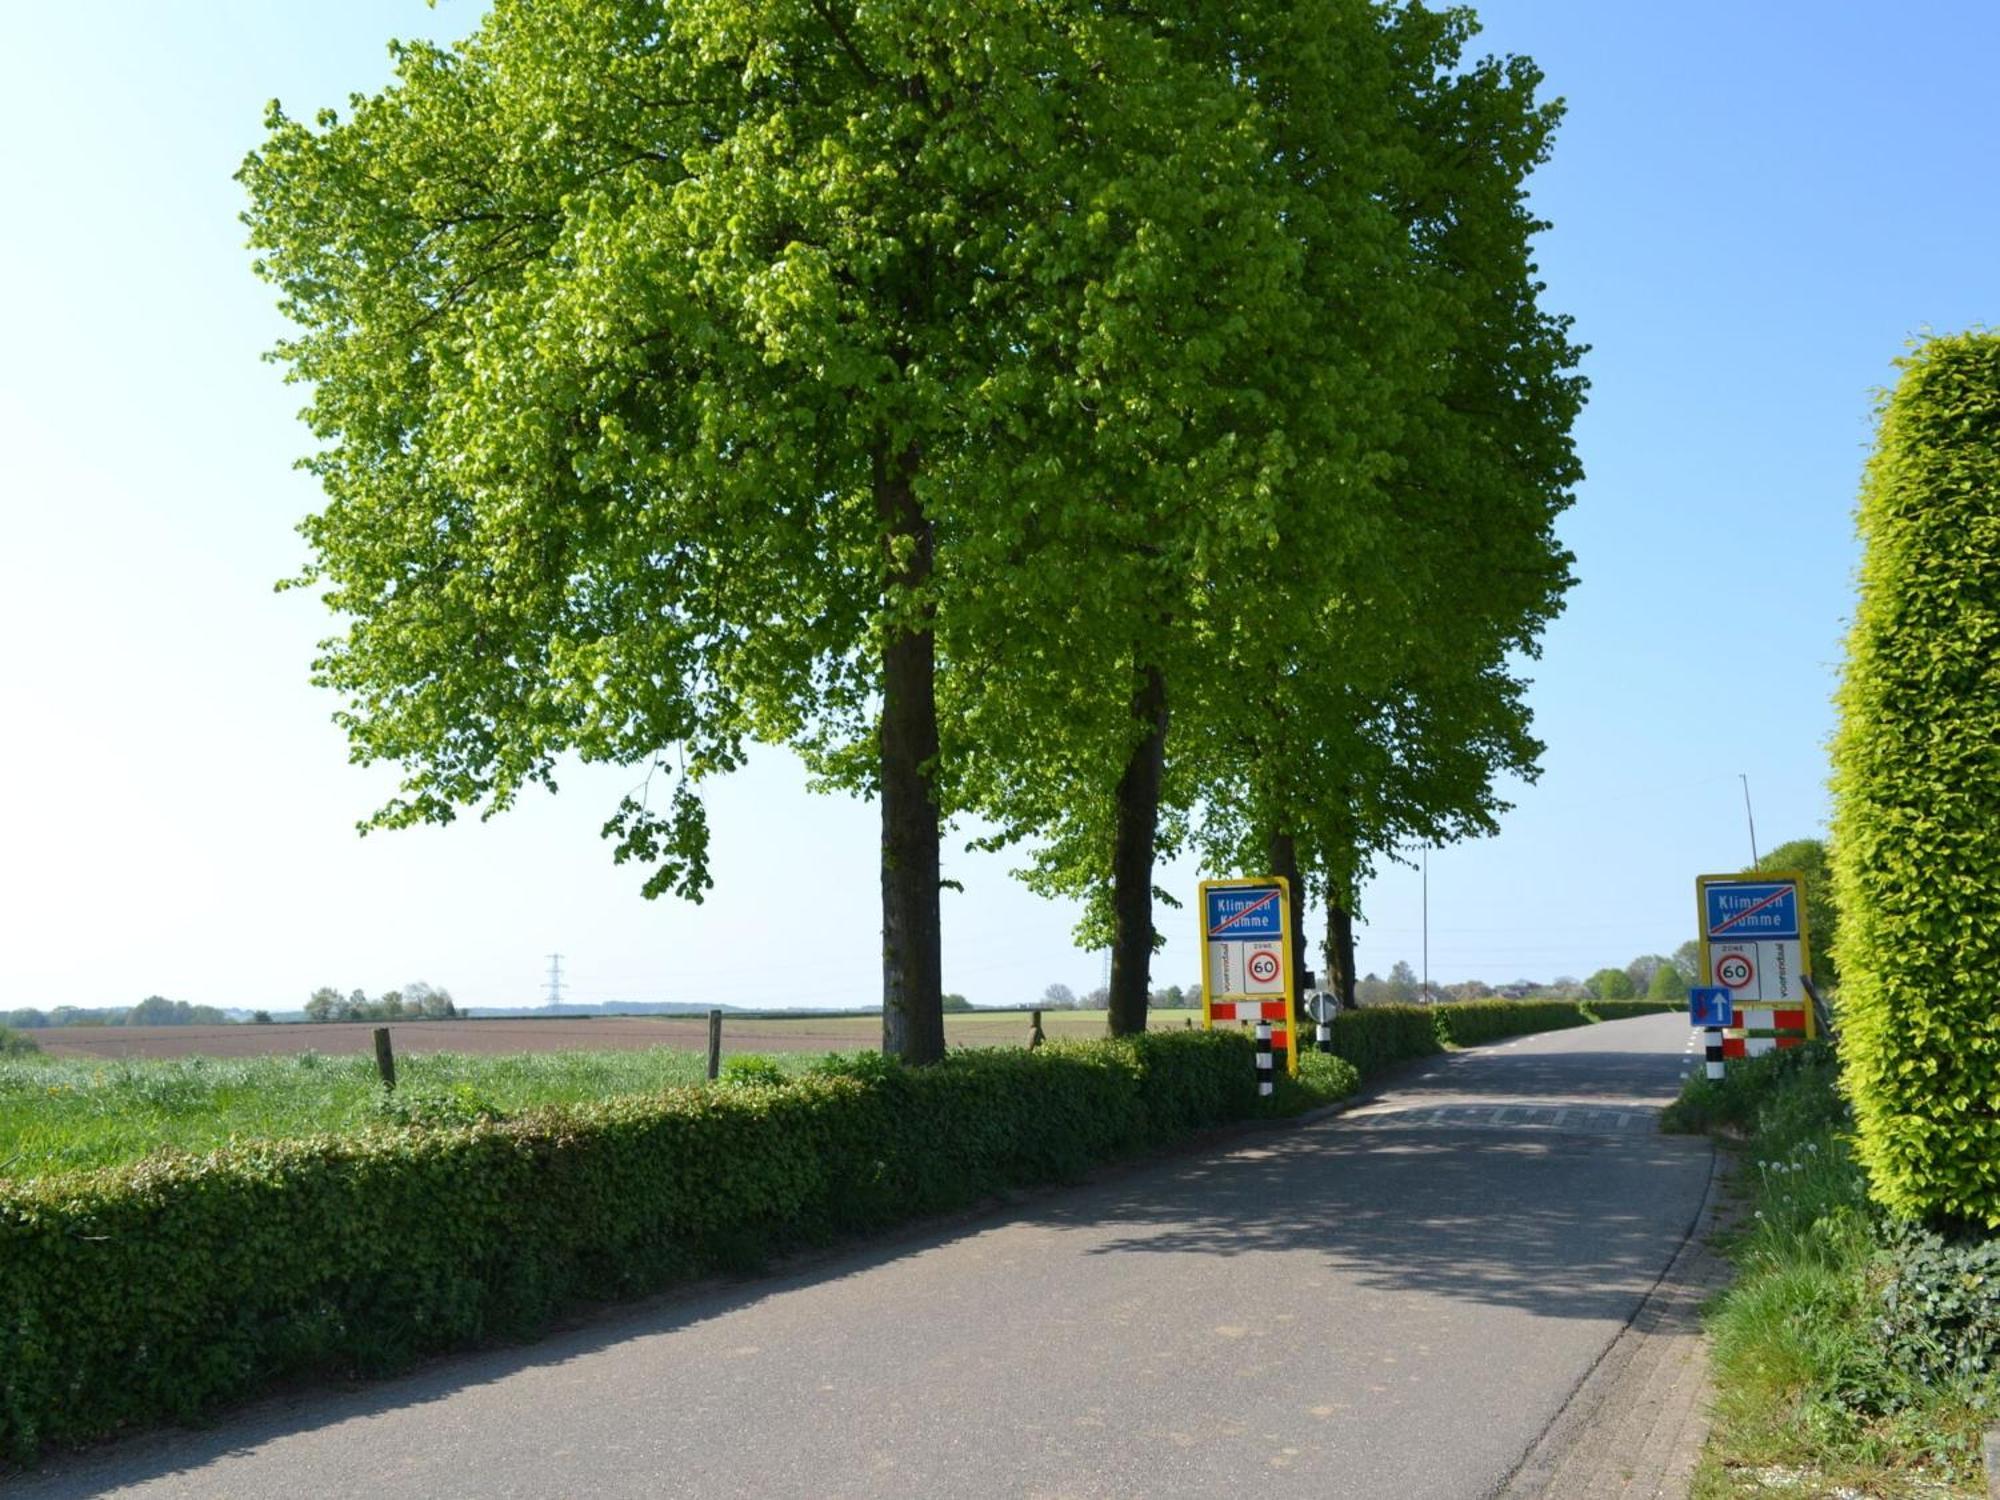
(1390,1303)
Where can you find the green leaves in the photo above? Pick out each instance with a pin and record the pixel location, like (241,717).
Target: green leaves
(1916,867)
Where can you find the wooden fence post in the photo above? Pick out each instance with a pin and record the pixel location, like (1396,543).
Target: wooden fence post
(385,1057)
(714,1044)
(1035,1037)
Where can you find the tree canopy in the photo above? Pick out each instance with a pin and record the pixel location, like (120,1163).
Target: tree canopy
(1611,984)
(959,395)
(1809,858)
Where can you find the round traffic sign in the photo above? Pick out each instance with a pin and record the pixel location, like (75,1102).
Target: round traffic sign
(1263,966)
(1735,970)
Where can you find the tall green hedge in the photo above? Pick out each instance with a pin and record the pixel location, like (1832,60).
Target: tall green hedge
(158,1290)
(1916,845)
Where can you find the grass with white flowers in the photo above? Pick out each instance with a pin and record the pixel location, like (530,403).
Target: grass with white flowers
(1815,1395)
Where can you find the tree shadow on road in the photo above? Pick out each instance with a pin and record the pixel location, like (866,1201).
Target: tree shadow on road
(1566,1225)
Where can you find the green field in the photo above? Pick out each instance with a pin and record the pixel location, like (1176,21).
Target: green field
(58,1115)
(67,1114)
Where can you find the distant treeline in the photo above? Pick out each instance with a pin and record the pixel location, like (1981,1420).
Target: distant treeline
(416,1002)
(154,1010)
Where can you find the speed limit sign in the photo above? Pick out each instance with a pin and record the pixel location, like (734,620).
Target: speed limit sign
(1735,970)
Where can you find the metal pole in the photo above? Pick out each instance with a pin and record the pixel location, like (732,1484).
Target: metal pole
(1427,925)
(1749,816)
(1265,1069)
(714,1044)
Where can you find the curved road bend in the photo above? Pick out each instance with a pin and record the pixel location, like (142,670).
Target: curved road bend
(1390,1304)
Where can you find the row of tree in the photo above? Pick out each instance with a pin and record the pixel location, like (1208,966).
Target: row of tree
(154,1010)
(1138,429)
(415,1002)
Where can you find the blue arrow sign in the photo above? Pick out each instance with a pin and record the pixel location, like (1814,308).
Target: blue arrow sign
(1711,1005)
(1244,912)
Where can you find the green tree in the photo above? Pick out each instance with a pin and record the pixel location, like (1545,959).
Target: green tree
(1667,983)
(1809,858)
(1610,984)
(1401,988)
(1393,582)
(260,1018)
(14,1044)
(1916,863)
(326,1004)
(956,1004)
(428,1002)
(1687,959)
(1642,969)
(155,1010)
(1393,727)
(912,317)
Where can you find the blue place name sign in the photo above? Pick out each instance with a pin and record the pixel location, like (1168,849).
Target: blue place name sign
(1245,911)
(1745,911)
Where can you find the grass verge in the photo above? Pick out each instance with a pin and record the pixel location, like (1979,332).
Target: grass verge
(1816,1392)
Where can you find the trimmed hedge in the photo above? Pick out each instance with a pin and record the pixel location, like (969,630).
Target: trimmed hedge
(1625,1010)
(158,1290)
(1380,1036)
(1470,1022)
(1916,845)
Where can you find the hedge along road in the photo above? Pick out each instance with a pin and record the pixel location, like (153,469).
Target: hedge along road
(1392,1302)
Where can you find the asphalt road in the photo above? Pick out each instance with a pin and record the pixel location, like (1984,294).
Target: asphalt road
(1390,1303)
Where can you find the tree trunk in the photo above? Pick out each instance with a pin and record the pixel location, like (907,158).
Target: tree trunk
(1284,852)
(1132,859)
(1339,946)
(912,944)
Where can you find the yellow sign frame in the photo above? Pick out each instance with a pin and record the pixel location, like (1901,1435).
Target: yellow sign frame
(1763,877)
(1291,979)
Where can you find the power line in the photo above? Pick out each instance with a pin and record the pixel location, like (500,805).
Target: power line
(555,980)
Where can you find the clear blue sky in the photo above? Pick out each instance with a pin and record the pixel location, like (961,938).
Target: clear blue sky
(1755,206)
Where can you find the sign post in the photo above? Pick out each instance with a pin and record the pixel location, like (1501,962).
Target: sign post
(1246,957)
(1710,1008)
(1755,950)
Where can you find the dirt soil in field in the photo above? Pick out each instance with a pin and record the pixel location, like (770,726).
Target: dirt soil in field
(556,1034)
